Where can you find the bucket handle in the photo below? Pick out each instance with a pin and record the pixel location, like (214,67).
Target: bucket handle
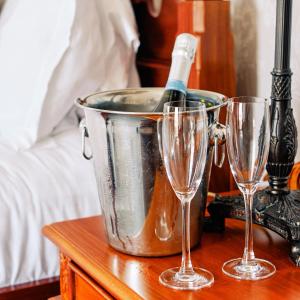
(84,135)
(218,139)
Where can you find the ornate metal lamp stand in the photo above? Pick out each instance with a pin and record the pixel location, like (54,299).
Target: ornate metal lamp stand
(276,208)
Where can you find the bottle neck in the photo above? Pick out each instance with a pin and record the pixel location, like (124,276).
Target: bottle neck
(176,85)
(179,73)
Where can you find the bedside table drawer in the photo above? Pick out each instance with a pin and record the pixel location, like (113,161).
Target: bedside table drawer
(86,288)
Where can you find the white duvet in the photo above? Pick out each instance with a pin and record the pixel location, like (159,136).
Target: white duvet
(76,48)
(48,183)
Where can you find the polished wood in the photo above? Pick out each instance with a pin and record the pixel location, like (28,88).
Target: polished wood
(127,277)
(86,287)
(213,69)
(66,277)
(35,290)
(294,180)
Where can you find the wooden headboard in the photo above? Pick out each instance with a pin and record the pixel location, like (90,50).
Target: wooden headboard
(213,68)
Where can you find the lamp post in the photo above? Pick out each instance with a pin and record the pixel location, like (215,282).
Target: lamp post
(276,208)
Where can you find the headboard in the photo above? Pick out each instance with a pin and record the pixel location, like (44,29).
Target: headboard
(213,68)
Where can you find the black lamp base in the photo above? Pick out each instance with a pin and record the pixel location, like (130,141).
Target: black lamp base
(278,212)
(277,209)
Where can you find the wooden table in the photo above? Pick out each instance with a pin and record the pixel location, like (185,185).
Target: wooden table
(91,269)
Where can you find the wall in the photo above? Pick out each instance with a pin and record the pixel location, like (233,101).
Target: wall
(253,25)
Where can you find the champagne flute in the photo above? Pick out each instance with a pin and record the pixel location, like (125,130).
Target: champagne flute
(183,144)
(248,139)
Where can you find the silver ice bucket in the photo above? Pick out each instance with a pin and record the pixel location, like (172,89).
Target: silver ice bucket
(142,214)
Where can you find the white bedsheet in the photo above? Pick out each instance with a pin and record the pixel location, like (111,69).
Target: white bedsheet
(48,183)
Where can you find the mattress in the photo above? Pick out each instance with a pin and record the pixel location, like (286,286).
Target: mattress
(48,183)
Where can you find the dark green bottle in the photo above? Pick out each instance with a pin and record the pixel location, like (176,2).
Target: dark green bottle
(182,58)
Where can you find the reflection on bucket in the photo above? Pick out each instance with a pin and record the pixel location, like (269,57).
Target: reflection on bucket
(142,213)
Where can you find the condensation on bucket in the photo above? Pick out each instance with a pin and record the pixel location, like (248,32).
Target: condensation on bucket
(142,213)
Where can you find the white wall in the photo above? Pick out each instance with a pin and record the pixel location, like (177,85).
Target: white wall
(253,25)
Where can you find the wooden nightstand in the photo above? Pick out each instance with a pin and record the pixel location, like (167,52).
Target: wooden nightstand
(91,269)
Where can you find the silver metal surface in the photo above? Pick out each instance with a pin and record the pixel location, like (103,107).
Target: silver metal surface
(84,135)
(218,139)
(142,214)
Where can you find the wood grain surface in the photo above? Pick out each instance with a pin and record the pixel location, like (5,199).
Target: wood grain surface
(294,180)
(129,277)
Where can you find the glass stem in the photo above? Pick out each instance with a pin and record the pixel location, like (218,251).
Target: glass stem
(248,250)
(186,263)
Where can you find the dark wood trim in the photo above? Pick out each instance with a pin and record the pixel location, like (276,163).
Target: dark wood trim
(36,290)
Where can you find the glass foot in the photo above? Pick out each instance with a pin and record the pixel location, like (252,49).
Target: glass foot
(199,279)
(256,269)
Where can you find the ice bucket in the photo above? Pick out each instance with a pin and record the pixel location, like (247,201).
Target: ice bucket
(141,212)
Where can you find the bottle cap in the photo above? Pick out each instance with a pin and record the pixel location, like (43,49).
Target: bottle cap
(185,45)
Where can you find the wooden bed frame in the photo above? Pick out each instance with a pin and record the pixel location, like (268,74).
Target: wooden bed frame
(213,70)
(36,290)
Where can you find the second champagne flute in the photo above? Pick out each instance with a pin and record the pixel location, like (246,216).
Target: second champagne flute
(183,138)
(248,139)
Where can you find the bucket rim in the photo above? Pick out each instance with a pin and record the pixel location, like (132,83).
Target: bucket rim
(81,103)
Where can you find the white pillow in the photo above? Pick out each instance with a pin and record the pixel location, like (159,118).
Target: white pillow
(53,51)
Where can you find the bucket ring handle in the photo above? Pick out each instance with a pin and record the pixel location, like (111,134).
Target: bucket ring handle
(218,139)
(84,135)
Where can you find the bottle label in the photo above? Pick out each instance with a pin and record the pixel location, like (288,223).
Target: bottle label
(177,85)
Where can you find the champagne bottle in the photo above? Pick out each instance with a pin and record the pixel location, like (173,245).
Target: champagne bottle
(182,58)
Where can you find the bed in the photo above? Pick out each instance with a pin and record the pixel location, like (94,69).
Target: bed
(44,178)
(36,190)
(50,54)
